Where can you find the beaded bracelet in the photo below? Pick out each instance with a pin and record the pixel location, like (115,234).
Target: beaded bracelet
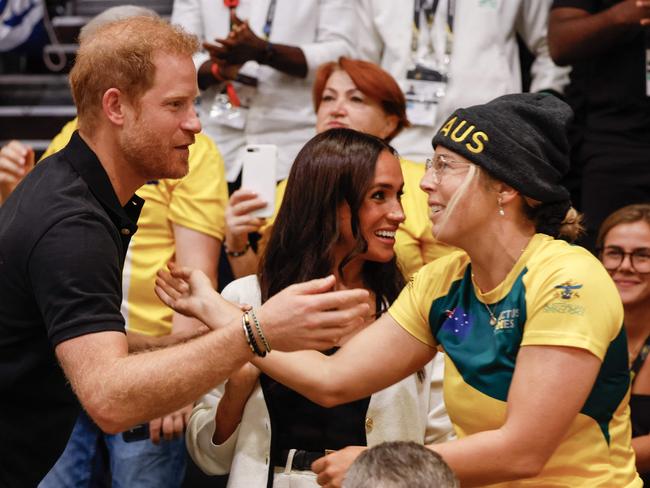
(250,337)
(258,327)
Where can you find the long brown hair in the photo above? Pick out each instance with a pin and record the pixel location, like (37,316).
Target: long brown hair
(334,167)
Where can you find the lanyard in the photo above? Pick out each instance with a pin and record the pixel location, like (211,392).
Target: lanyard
(268,25)
(420,7)
(231,5)
(270,15)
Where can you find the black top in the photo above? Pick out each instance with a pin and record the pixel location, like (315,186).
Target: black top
(616,107)
(640,405)
(299,423)
(63,240)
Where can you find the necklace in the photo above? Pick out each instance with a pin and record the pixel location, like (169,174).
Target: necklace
(635,350)
(493,319)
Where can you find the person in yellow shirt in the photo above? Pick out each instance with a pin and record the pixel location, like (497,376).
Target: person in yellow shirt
(537,379)
(361,96)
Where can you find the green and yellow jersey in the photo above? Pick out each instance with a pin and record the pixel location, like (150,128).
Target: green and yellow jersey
(197,201)
(555,295)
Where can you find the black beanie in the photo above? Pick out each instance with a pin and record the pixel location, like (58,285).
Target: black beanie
(519,139)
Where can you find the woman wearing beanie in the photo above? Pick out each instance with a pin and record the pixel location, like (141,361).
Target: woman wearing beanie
(536,375)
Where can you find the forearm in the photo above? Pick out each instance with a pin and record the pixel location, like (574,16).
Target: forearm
(488,457)
(312,380)
(288,59)
(574,38)
(244,265)
(353,372)
(140,342)
(228,414)
(641,446)
(136,388)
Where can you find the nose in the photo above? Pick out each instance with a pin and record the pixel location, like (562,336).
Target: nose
(192,122)
(429,181)
(338,107)
(626,263)
(396,214)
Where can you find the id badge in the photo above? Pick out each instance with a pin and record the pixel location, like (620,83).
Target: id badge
(232,111)
(423,89)
(224,112)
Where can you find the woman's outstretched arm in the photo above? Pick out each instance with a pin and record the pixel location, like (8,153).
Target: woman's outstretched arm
(380,355)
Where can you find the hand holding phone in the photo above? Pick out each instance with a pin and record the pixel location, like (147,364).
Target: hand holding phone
(259,175)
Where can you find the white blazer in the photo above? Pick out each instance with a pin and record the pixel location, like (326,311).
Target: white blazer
(410,410)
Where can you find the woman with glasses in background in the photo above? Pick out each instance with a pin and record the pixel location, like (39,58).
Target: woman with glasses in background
(624,248)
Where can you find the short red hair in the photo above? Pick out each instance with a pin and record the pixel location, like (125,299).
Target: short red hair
(372,81)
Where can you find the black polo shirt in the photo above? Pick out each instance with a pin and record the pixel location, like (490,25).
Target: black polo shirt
(63,240)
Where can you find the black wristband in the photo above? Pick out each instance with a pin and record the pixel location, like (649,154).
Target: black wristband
(266,57)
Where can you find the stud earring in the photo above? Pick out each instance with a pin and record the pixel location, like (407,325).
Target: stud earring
(499,202)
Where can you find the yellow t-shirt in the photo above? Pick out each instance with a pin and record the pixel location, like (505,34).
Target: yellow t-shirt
(414,242)
(556,295)
(196,201)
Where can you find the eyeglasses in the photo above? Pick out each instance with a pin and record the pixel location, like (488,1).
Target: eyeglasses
(613,256)
(444,165)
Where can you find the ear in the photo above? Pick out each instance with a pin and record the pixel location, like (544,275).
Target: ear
(113,106)
(390,125)
(505,192)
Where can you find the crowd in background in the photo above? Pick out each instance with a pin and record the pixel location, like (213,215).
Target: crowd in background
(351,94)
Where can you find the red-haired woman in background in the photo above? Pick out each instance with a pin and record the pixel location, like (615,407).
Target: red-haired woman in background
(357,95)
(624,246)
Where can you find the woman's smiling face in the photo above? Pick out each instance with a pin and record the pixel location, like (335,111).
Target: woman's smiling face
(633,284)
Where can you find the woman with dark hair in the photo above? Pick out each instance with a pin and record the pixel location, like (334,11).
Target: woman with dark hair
(339,216)
(624,248)
(536,367)
(358,95)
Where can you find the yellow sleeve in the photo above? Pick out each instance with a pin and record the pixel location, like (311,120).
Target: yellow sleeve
(574,304)
(265,231)
(61,139)
(199,200)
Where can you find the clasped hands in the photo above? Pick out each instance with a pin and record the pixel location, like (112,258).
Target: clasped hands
(307,315)
(241,45)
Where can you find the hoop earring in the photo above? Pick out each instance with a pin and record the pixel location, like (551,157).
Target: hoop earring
(499,202)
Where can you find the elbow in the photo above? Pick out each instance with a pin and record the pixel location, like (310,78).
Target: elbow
(559,55)
(329,397)
(560,58)
(527,466)
(107,416)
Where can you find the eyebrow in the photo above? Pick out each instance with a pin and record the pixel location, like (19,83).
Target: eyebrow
(619,248)
(346,91)
(386,186)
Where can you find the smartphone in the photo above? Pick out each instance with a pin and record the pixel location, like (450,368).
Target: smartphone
(137,433)
(259,174)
